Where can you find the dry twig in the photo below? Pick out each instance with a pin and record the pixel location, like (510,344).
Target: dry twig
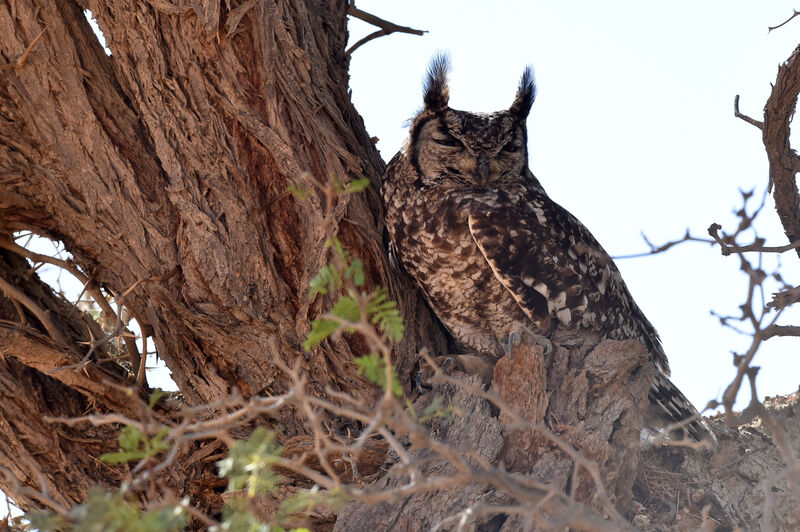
(19,63)
(386,27)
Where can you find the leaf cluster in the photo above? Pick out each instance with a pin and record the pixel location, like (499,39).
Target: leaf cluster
(111,512)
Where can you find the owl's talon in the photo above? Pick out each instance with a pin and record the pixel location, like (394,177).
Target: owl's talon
(422,387)
(534,339)
(544,343)
(508,343)
(448,365)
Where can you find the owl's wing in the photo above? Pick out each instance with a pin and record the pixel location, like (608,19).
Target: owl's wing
(555,269)
(530,259)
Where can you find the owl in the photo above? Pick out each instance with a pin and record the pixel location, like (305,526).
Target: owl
(493,255)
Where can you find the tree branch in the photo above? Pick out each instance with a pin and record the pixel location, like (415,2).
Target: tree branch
(737,114)
(783,160)
(13,293)
(19,63)
(386,27)
(785,22)
(780,330)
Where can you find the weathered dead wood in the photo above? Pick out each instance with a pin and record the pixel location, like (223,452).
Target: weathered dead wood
(783,160)
(594,400)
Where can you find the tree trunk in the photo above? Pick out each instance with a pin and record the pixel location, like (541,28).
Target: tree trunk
(164,171)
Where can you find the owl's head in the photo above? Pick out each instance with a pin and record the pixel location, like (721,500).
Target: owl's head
(471,149)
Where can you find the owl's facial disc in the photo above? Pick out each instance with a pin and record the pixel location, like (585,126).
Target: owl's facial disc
(469,149)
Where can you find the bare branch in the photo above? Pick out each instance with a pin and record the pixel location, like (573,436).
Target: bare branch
(785,298)
(654,250)
(89,286)
(386,27)
(13,293)
(780,330)
(783,161)
(737,114)
(785,21)
(19,63)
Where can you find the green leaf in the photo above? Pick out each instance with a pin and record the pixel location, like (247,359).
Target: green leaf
(236,516)
(303,502)
(156,396)
(436,409)
(137,446)
(327,280)
(249,463)
(383,312)
(122,457)
(357,185)
(157,443)
(130,437)
(373,367)
(45,521)
(347,308)
(112,511)
(299,193)
(320,330)
(356,272)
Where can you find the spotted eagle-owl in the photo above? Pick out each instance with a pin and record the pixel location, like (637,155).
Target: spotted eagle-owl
(492,253)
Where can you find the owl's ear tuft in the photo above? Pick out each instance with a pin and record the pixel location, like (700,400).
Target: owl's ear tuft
(435,91)
(526,94)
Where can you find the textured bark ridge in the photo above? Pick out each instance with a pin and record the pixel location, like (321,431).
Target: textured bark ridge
(744,484)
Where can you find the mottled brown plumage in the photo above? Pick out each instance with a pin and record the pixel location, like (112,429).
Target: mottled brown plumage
(492,252)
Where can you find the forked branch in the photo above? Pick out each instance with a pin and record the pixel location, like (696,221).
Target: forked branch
(386,27)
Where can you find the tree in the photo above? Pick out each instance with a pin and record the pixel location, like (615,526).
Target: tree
(167,171)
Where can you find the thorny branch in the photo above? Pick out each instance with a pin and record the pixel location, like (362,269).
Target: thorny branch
(14,294)
(93,290)
(758,319)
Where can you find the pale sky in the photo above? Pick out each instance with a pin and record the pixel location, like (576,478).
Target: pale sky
(632,131)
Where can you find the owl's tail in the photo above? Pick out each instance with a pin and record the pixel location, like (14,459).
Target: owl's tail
(672,413)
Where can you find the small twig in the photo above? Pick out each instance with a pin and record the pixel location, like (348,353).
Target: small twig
(737,114)
(758,245)
(654,250)
(141,378)
(24,57)
(785,22)
(386,27)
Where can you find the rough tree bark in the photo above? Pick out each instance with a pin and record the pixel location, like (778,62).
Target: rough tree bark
(165,168)
(164,171)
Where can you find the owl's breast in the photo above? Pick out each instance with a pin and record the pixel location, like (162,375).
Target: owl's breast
(430,231)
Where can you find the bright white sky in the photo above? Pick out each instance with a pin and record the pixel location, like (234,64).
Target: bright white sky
(632,131)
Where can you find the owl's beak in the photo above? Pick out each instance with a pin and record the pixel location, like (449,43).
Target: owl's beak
(483,168)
